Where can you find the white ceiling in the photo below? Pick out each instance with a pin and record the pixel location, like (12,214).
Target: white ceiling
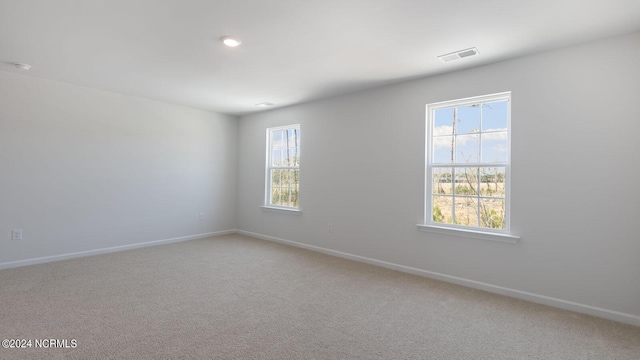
(292,50)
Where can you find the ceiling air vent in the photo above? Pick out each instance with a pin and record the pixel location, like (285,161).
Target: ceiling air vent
(458,54)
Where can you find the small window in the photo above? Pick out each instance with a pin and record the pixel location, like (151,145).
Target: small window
(468,164)
(283,167)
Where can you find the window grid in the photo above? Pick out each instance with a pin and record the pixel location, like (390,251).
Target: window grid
(283,162)
(476,194)
(483,185)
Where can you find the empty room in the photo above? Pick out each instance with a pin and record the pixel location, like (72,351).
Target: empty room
(319,180)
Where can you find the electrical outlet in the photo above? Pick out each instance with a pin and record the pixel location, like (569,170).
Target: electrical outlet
(16,234)
(330,227)
(201,217)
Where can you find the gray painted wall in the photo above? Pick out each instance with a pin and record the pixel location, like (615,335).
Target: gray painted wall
(84,169)
(575,194)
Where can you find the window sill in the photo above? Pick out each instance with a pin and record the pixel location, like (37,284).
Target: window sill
(290,211)
(501,237)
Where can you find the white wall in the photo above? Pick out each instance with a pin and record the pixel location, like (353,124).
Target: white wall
(575,193)
(84,169)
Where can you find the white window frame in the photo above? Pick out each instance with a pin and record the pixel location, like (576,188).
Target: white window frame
(503,235)
(268,180)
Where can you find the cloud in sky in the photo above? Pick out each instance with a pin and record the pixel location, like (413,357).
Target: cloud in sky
(502,135)
(500,147)
(442,136)
(442,130)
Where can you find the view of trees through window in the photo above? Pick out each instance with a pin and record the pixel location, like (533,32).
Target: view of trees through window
(284,167)
(468,164)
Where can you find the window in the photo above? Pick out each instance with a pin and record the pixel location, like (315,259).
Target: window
(468,163)
(283,167)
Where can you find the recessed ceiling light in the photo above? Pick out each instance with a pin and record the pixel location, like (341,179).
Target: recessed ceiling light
(264,104)
(229,41)
(23,67)
(458,54)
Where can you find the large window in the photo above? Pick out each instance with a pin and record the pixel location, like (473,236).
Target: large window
(283,167)
(468,161)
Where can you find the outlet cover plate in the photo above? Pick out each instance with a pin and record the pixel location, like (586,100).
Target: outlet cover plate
(16,234)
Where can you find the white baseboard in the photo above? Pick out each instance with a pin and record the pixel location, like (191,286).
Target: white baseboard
(523,295)
(46,259)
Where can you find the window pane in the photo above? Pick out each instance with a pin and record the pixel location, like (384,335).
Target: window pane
(294,139)
(443,150)
(466,181)
(288,177)
(296,178)
(277,142)
(276,158)
(284,176)
(286,157)
(442,183)
(494,116)
(275,177)
(494,147)
(492,181)
(295,185)
(295,157)
(466,211)
(467,149)
(275,196)
(468,119)
(443,122)
(442,207)
(285,199)
(492,213)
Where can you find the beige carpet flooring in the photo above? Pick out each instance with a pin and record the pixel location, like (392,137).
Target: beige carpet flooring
(234,297)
